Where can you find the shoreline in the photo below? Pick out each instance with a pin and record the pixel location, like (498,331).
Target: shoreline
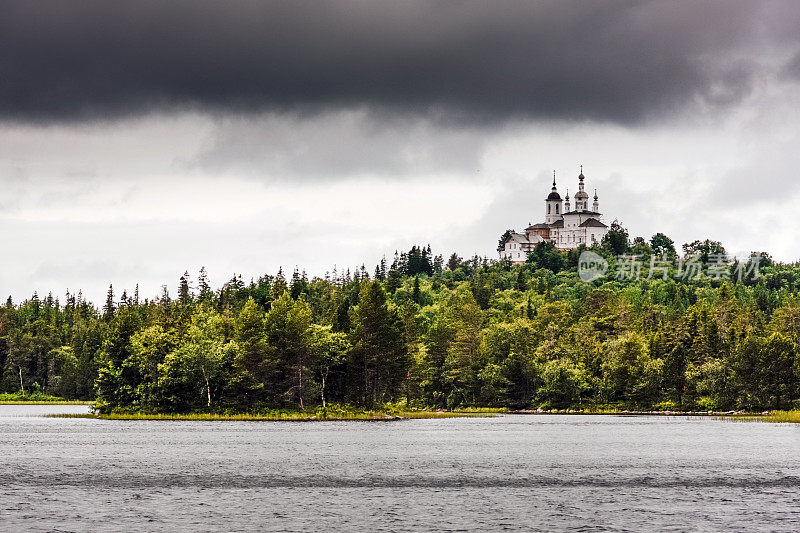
(638,413)
(45,402)
(288,416)
(379,416)
(781,417)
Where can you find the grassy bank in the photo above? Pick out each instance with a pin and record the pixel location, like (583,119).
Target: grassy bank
(791,417)
(36,399)
(335,414)
(331,414)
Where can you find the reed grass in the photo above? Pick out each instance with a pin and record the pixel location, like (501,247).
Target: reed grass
(71,415)
(36,398)
(787,417)
(331,414)
(44,402)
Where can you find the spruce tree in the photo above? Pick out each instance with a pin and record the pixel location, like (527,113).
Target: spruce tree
(379,361)
(394,279)
(341,322)
(454,262)
(279,286)
(184,294)
(522,280)
(294,287)
(256,362)
(203,286)
(108,308)
(164,298)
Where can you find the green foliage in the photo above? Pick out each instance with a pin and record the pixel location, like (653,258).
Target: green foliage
(704,249)
(662,245)
(545,255)
(379,360)
(563,384)
(474,334)
(615,241)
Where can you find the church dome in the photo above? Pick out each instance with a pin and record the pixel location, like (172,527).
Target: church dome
(553,192)
(581,194)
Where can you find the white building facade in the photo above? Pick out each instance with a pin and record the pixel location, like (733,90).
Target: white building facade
(564,226)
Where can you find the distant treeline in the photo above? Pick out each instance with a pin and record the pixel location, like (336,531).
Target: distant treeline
(428,332)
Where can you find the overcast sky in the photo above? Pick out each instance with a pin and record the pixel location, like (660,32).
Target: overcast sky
(141,139)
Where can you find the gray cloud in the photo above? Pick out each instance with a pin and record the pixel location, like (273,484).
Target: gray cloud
(792,69)
(620,61)
(339,144)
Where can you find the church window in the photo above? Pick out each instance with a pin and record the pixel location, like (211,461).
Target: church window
(548,209)
(556,209)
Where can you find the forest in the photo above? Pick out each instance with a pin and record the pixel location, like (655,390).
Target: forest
(429,332)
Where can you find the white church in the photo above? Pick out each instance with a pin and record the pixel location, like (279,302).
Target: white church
(567,228)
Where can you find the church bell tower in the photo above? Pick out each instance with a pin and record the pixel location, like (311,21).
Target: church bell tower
(553,209)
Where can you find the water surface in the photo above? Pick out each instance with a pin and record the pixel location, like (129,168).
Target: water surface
(585,473)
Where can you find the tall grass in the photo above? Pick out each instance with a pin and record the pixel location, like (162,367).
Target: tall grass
(780,416)
(35,398)
(331,413)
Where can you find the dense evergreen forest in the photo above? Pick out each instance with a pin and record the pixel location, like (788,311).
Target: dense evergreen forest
(430,332)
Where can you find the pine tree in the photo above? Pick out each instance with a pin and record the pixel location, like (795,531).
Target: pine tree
(287,325)
(184,294)
(108,308)
(394,279)
(522,280)
(341,322)
(298,285)
(379,361)
(438,264)
(70,305)
(202,284)
(454,262)
(256,362)
(279,286)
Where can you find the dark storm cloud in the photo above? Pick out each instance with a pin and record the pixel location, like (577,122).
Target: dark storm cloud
(622,61)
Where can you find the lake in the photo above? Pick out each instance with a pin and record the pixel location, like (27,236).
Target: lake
(552,472)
